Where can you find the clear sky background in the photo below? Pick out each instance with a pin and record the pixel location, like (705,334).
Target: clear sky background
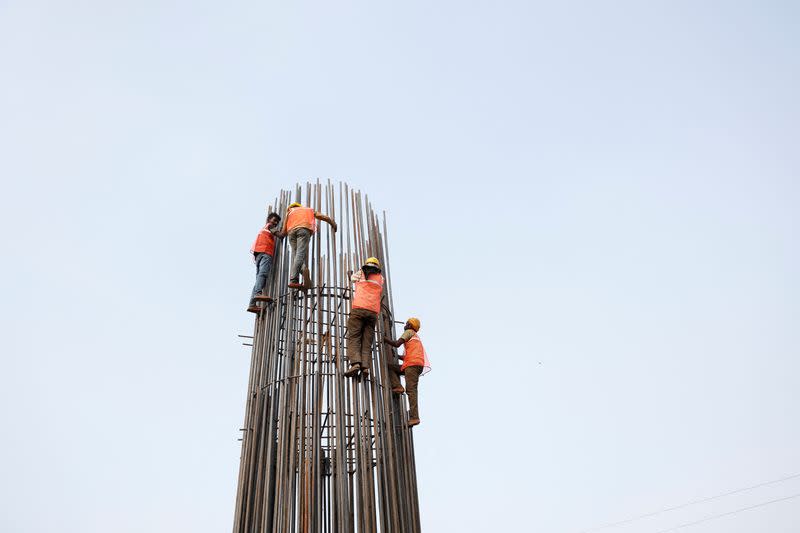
(593,208)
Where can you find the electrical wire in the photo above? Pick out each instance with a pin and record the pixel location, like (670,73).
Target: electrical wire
(729,513)
(694,502)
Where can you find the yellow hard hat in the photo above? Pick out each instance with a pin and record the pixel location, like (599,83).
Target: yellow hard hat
(414,323)
(373,262)
(295,204)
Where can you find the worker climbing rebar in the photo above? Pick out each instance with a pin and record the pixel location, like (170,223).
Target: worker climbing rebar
(415,364)
(363,315)
(263,250)
(300,225)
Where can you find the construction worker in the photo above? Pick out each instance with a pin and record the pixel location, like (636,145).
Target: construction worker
(301,224)
(363,316)
(263,250)
(415,364)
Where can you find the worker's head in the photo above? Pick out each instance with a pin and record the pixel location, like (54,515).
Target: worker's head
(273,219)
(412,323)
(294,204)
(372,265)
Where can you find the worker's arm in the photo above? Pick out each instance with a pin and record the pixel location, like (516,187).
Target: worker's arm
(398,343)
(282,225)
(407,334)
(281,231)
(326,218)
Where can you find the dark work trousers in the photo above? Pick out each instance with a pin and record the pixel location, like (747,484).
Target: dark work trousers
(412,374)
(360,334)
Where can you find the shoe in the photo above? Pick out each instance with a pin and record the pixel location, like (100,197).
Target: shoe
(253,309)
(365,372)
(413,422)
(295,285)
(398,390)
(353,370)
(261,297)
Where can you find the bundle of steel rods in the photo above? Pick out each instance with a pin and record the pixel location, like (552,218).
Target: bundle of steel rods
(322,452)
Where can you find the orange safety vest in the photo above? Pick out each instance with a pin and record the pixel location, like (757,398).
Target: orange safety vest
(368,293)
(301,217)
(264,243)
(415,354)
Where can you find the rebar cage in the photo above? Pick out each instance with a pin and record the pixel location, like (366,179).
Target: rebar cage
(322,453)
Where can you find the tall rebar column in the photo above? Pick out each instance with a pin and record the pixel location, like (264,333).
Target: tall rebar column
(321,452)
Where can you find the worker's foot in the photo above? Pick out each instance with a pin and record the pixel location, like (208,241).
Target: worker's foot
(261,297)
(413,422)
(295,284)
(253,309)
(398,390)
(365,372)
(353,370)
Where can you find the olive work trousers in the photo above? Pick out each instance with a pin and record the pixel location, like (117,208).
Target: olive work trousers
(360,334)
(412,374)
(298,241)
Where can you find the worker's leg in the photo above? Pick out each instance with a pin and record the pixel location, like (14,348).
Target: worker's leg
(294,276)
(303,241)
(355,325)
(367,336)
(412,374)
(301,257)
(263,263)
(394,375)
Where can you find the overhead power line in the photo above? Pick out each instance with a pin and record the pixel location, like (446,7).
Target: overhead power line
(693,502)
(729,513)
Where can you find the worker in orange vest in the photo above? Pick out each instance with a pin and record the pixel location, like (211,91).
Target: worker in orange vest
(415,364)
(263,250)
(301,224)
(363,316)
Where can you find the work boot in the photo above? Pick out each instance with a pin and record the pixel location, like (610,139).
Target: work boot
(413,422)
(353,370)
(398,390)
(295,284)
(262,297)
(365,372)
(253,308)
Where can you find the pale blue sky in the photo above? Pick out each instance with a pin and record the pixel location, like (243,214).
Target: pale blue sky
(610,189)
